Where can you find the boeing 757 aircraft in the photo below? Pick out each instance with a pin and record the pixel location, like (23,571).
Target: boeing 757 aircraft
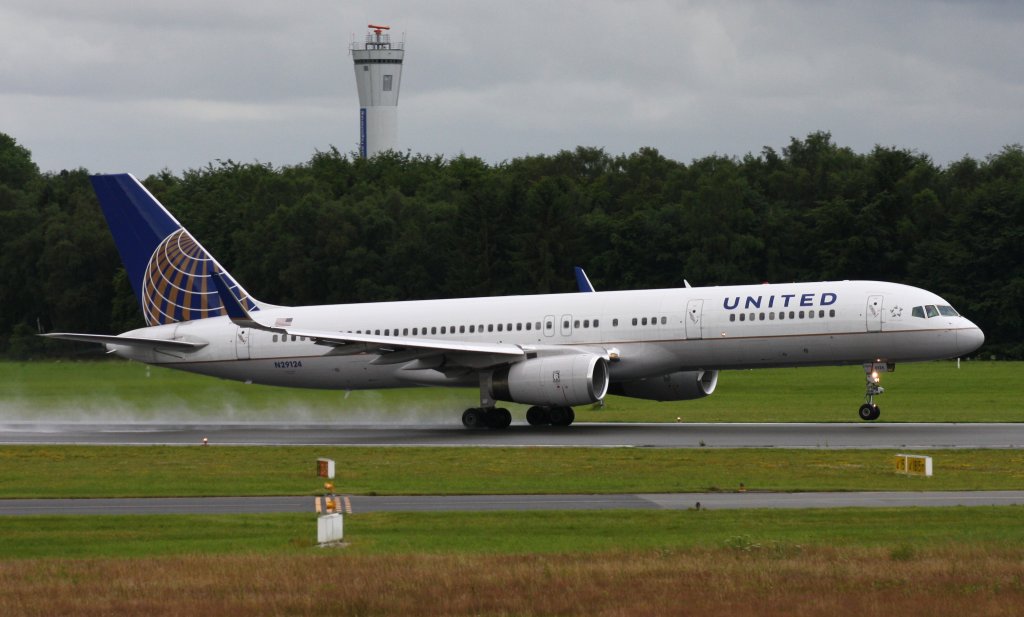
(549,351)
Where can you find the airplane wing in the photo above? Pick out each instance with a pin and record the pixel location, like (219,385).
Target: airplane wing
(134,341)
(393,349)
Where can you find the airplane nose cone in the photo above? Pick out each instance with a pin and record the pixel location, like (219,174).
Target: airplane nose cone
(969,339)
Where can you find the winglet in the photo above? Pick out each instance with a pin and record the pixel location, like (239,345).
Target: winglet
(582,281)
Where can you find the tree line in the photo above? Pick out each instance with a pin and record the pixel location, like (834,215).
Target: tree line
(339,228)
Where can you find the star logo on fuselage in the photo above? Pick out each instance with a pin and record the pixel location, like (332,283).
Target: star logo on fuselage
(896,312)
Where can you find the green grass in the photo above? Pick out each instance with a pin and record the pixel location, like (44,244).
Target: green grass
(151,471)
(513,532)
(118,390)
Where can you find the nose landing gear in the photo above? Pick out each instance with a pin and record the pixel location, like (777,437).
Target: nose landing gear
(870,411)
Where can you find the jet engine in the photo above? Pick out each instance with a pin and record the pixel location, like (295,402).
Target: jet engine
(679,386)
(563,380)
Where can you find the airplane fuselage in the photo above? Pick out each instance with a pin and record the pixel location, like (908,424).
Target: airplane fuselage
(644,333)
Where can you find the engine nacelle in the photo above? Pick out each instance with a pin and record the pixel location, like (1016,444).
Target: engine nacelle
(564,380)
(679,386)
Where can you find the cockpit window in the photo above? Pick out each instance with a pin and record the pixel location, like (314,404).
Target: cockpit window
(932,310)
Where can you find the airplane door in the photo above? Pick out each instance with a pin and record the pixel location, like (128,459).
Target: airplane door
(242,343)
(874,314)
(549,325)
(566,325)
(694,311)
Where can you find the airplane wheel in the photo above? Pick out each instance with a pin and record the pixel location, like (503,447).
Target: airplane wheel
(500,418)
(536,416)
(869,412)
(473,418)
(562,416)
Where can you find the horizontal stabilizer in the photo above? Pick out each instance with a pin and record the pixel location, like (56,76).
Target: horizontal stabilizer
(132,341)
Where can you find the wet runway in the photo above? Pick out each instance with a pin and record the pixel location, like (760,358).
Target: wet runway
(687,435)
(482,503)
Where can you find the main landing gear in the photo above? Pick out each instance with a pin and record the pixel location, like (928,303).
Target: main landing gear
(499,417)
(487,415)
(870,411)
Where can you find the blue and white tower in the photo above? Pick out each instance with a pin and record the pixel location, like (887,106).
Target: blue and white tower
(378,64)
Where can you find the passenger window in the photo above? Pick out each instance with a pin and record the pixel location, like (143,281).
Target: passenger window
(275,338)
(586,323)
(595,323)
(792,315)
(528,326)
(576,324)
(499,327)
(832,313)
(490,327)
(462,329)
(615,322)
(771,316)
(415,331)
(664,320)
(405,331)
(643,322)
(782,315)
(472,329)
(743,316)
(760,316)
(519,326)
(537,327)
(634,321)
(801,314)
(732,316)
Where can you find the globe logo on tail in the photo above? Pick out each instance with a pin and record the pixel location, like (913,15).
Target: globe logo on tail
(177,286)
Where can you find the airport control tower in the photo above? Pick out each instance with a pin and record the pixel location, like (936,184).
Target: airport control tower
(378,64)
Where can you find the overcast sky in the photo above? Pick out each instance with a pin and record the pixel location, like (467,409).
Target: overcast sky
(139,86)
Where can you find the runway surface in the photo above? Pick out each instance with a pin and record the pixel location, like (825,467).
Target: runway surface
(481,503)
(825,435)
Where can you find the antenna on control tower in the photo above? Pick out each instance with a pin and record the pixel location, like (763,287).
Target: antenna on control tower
(378,64)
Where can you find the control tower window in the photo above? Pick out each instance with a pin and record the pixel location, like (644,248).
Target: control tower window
(387,83)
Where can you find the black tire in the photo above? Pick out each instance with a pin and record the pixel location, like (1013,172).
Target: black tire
(868,412)
(562,416)
(473,418)
(537,416)
(500,418)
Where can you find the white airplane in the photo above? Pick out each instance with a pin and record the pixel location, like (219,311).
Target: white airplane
(549,351)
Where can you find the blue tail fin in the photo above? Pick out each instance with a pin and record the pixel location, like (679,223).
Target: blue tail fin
(170,271)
